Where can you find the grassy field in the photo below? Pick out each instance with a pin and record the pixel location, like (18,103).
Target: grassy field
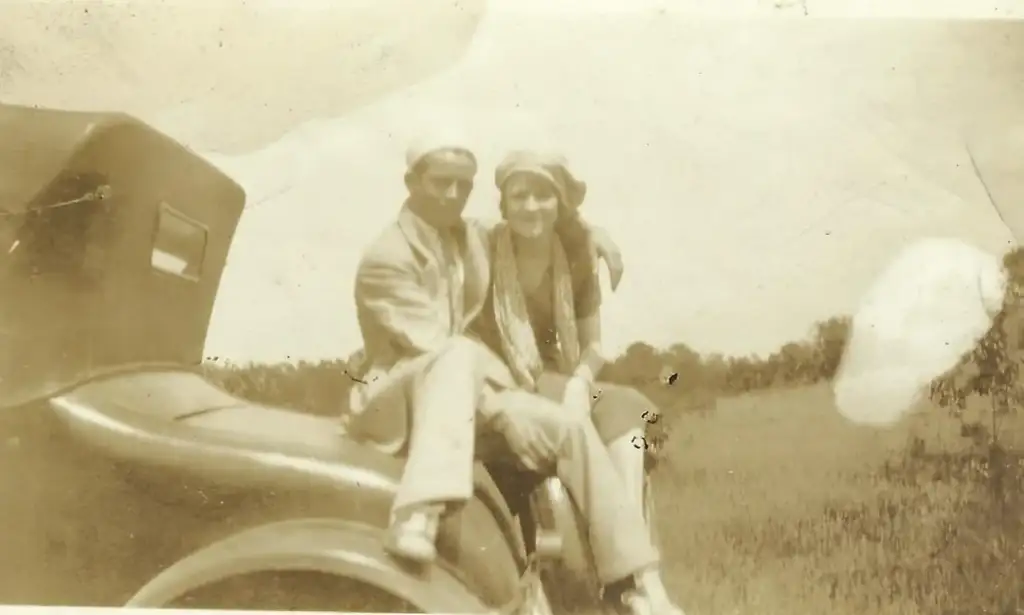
(772,504)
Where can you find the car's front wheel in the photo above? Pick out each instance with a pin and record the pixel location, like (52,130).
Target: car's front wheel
(293,591)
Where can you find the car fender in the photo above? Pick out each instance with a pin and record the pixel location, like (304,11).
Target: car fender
(329,546)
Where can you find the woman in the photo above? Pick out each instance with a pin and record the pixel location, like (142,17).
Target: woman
(543,315)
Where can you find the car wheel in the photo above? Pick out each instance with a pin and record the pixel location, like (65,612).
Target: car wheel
(293,591)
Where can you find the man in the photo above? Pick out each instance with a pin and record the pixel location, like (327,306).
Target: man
(418,286)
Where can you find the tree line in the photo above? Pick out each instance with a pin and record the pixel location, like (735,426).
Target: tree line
(671,377)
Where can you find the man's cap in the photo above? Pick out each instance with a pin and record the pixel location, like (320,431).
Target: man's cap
(438,140)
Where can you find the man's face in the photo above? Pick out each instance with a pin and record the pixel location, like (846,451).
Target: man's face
(443,184)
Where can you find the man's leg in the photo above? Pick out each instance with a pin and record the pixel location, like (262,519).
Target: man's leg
(444,397)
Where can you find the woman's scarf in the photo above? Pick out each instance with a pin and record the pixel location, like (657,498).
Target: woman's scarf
(518,341)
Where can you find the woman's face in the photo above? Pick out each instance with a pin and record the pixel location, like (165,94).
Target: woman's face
(531,205)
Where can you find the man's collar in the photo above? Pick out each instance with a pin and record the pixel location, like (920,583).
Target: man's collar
(423,237)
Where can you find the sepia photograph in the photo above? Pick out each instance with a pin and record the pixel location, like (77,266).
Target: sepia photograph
(662,307)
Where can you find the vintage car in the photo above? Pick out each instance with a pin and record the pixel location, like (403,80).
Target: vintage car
(129,479)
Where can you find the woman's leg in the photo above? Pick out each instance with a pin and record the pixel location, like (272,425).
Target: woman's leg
(620,415)
(626,561)
(627,454)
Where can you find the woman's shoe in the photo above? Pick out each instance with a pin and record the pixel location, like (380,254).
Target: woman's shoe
(412,535)
(638,602)
(642,594)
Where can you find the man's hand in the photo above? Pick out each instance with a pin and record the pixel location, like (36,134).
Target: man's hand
(526,439)
(609,252)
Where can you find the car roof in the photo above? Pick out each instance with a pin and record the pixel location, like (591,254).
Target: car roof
(37,144)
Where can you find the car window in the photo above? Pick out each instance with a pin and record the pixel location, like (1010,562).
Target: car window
(179,244)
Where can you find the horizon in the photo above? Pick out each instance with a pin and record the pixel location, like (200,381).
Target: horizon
(298,362)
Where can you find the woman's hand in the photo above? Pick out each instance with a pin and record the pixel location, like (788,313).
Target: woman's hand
(609,252)
(591,363)
(577,396)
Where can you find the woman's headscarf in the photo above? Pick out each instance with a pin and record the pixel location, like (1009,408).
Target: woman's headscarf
(552,167)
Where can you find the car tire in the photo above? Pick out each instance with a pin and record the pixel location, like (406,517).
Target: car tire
(293,591)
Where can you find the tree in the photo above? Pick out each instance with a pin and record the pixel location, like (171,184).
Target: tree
(714,372)
(639,366)
(991,372)
(830,338)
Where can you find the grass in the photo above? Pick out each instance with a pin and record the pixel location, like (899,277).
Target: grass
(773,504)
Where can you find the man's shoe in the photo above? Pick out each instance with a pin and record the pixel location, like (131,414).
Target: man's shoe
(412,535)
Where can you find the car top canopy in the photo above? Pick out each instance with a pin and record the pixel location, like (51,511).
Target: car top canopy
(113,238)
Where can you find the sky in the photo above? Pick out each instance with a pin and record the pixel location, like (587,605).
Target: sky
(757,173)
